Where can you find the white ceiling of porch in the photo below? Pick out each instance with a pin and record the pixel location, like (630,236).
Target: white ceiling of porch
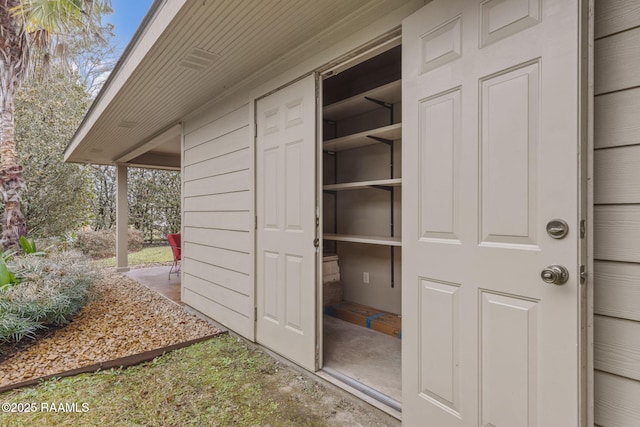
(208,47)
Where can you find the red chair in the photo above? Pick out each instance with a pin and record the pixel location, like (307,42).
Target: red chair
(175,242)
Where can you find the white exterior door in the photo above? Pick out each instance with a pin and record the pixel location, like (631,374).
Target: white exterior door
(286,225)
(491,146)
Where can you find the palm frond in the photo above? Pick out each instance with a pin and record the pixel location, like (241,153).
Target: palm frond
(45,26)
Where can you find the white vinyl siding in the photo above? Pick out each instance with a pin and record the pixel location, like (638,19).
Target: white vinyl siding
(617,213)
(218,210)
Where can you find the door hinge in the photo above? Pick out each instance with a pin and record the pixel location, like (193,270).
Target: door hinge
(255,313)
(583,228)
(255,129)
(255,223)
(583,275)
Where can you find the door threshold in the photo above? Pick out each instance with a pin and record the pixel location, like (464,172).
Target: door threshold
(363,391)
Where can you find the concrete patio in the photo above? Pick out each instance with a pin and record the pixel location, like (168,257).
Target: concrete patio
(157,279)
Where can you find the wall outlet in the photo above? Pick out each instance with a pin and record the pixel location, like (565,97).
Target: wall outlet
(365,277)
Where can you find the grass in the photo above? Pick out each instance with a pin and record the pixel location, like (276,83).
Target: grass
(145,256)
(220,382)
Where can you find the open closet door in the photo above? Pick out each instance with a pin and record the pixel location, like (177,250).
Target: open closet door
(286,222)
(491,183)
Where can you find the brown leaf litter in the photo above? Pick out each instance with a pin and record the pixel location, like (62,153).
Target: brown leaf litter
(125,318)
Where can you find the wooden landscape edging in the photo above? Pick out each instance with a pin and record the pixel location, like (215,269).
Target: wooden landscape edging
(121,362)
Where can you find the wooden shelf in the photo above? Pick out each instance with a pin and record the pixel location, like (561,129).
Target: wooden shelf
(391,132)
(396,182)
(371,240)
(356,105)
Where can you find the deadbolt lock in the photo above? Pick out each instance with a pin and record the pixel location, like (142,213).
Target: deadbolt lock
(557,228)
(555,274)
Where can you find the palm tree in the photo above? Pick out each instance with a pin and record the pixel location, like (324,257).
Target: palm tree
(32,34)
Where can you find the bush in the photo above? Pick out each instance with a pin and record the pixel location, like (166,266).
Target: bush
(51,291)
(66,242)
(102,243)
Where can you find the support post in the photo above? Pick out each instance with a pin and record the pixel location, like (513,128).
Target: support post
(122,219)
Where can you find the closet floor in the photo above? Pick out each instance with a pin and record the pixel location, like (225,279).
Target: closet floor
(367,356)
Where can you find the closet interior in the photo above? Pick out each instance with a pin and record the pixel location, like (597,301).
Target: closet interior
(362,190)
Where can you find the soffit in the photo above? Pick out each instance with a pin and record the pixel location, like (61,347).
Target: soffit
(234,39)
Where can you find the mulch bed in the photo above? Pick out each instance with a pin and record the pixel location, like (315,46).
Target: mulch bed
(124,318)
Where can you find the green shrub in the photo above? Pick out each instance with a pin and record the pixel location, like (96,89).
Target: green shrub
(14,327)
(102,243)
(51,290)
(66,242)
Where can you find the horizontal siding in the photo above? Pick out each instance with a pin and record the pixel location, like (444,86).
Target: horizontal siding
(616,62)
(220,126)
(232,162)
(617,290)
(218,218)
(225,144)
(219,202)
(212,291)
(218,184)
(233,320)
(617,233)
(617,401)
(616,173)
(221,277)
(614,16)
(225,258)
(617,121)
(222,220)
(617,346)
(240,241)
(617,214)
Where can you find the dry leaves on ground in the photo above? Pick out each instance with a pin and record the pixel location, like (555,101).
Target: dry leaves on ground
(125,318)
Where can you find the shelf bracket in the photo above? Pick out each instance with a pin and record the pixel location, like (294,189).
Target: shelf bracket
(382,187)
(384,104)
(333,124)
(382,140)
(393,268)
(379,102)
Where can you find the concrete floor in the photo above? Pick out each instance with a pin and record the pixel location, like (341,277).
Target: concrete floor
(367,356)
(157,278)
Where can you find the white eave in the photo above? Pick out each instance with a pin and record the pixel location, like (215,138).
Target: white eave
(87,146)
(187,53)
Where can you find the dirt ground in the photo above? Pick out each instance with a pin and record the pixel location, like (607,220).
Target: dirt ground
(127,318)
(339,408)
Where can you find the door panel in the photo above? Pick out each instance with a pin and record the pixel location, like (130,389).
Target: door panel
(509,147)
(508,360)
(491,119)
(285,165)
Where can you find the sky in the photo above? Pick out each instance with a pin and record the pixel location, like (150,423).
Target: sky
(126,16)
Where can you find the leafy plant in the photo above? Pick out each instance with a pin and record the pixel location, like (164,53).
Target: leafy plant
(69,237)
(14,327)
(29,247)
(8,254)
(51,290)
(8,275)
(58,194)
(7,278)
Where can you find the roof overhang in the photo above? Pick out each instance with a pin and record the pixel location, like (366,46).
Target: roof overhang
(187,53)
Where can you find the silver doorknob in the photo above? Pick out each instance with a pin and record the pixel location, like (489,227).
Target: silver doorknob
(555,274)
